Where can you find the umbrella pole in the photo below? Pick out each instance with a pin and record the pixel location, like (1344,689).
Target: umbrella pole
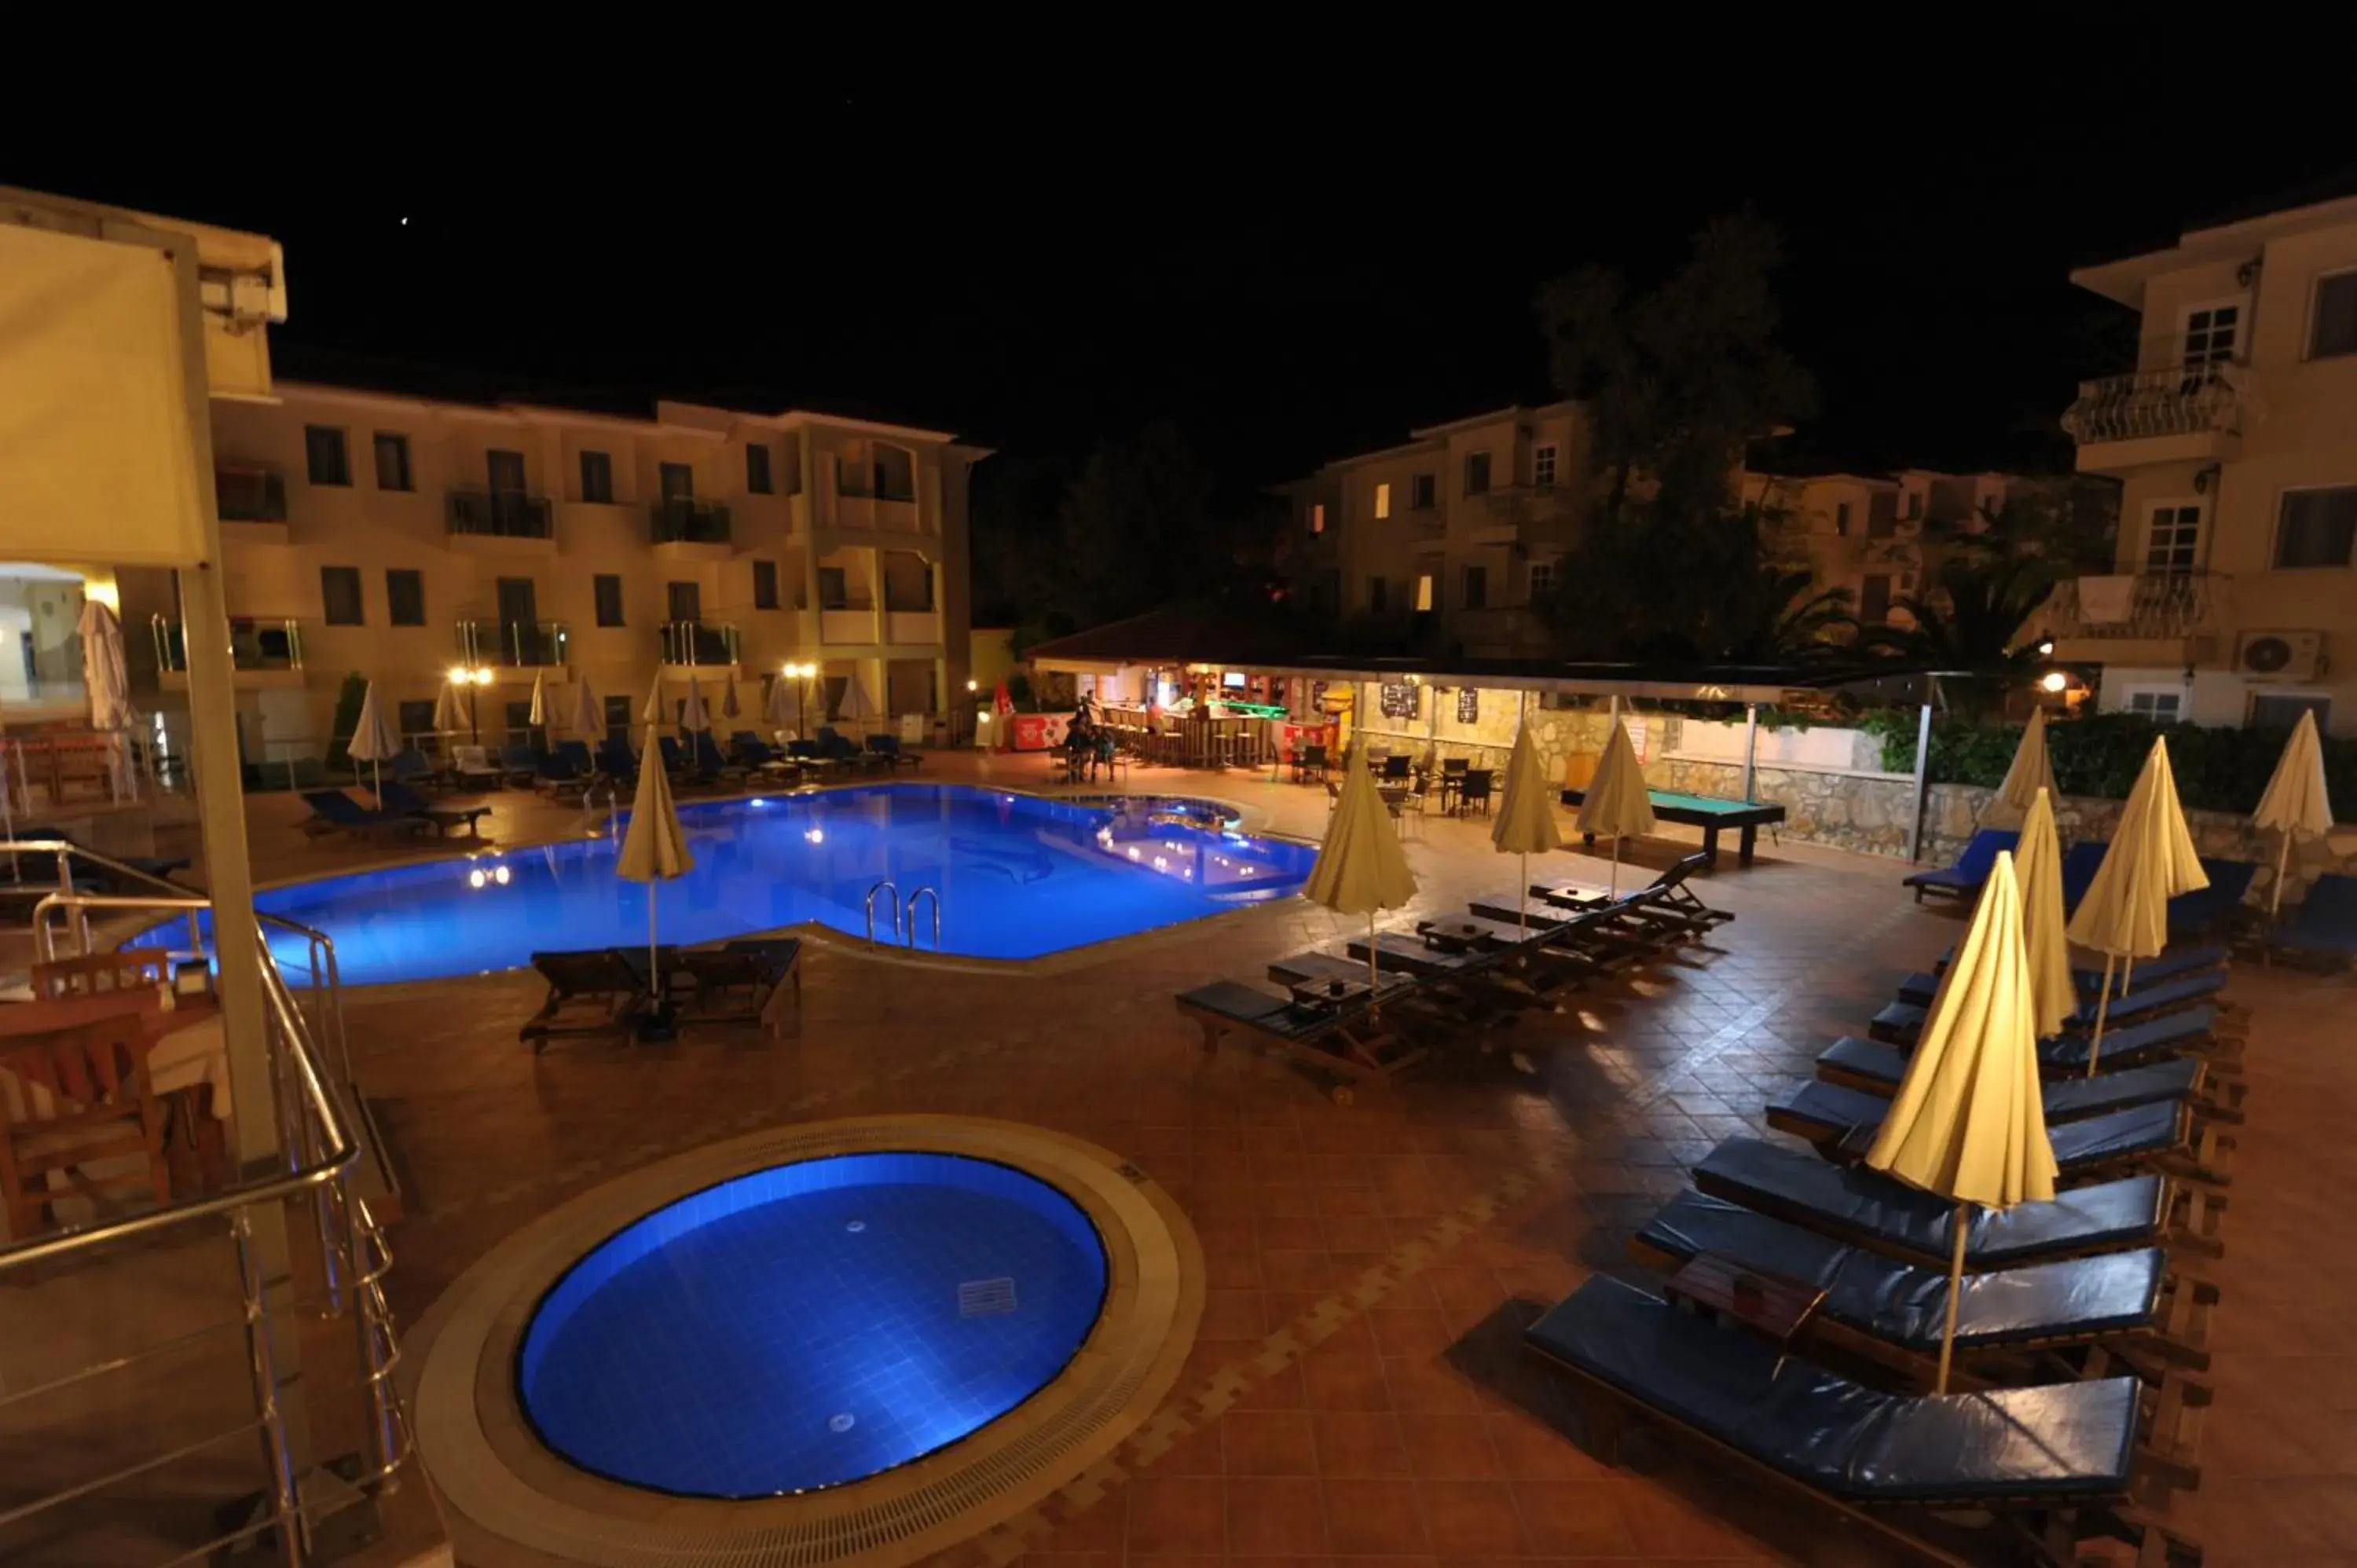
(1614,891)
(376,774)
(1961,1224)
(1523,904)
(2275,893)
(654,967)
(2103,1008)
(1374,985)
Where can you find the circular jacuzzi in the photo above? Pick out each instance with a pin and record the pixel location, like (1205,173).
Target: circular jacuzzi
(854,1342)
(811,1324)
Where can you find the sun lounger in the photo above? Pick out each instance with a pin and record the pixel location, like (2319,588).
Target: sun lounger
(709,762)
(2324,923)
(2080,864)
(2189,1032)
(1896,1313)
(888,747)
(1876,1068)
(747,980)
(1840,1123)
(2072,1460)
(1554,952)
(1346,1045)
(1671,899)
(333,811)
(2206,908)
(402,799)
(1485,970)
(1597,927)
(616,760)
(409,765)
(1873,1211)
(518,763)
(1972,868)
(2188,958)
(589,992)
(1900,1022)
(472,766)
(89,876)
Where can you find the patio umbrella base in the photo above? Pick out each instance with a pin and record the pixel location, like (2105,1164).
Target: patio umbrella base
(658,1025)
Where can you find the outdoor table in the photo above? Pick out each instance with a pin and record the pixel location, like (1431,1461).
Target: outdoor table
(1328,993)
(1770,1305)
(1451,936)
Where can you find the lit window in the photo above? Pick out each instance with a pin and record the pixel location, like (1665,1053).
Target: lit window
(1316,517)
(2160,707)
(1543,467)
(1384,499)
(1424,594)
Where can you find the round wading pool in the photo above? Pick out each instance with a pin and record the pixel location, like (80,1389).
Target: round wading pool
(812,1323)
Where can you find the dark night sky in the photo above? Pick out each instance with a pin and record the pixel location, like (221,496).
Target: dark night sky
(1288,271)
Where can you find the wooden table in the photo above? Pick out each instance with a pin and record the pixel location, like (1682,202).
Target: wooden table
(1768,1305)
(1329,992)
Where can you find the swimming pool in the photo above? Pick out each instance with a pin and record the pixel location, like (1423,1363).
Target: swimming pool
(1019,876)
(811,1324)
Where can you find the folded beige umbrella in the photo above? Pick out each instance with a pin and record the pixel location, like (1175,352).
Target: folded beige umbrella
(692,715)
(1360,866)
(449,718)
(654,849)
(2125,914)
(2297,800)
(374,741)
(588,718)
(2038,867)
(2031,771)
(1617,802)
(1525,825)
(538,717)
(655,711)
(1969,1120)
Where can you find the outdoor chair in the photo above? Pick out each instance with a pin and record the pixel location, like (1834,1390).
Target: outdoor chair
(616,760)
(1398,767)
(1473,791)
(402,800)
(888,747)
(73,1100)
(589,992)
(1972,868)
(1309,765)
(709,761)
(2204,910)
(1896,1313)
(1840,1124)
(1452,780)
(835,745)
(1344,1045)
(2061,1462)
(518,763)
(2323,924)
(473,769)
(333,811)
(677,765)
(745,980)
(411,765)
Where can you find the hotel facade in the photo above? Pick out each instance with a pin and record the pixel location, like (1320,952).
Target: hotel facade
(408,539)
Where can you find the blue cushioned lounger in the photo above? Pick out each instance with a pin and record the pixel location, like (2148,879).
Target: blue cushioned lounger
(1841,1122)
(2177,962)
(1905,1304)
(1873,1211)
(1973,865)
(1900,1022)
(1877,1068)
(1852,1442)
(2166,1035)
(2323,922)
(2191,914)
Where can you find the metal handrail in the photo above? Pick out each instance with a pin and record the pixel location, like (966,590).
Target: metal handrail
(935,894)
(891,907)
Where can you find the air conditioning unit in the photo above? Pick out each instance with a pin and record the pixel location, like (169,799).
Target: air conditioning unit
(2280,655)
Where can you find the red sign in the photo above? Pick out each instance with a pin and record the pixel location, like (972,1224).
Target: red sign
(1036,732)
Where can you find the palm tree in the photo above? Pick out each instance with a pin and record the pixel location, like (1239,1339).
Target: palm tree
(1973,624)
(1787,623)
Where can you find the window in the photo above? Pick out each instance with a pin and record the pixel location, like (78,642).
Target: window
(1543,467)
(1874,599)
(2334,330)
(504,470)
(404,596)
(1316,517)
(684,600)
(1425,490)
(678,480)
(597,477)
(1882,515)
(2162,706)
(413,718)
(2281,710)
(325,455)
(833,591)
(1378,595)
(392,461)
(339,596)
(1477,473)
(1384,499)
(1477,587)
(617,715)
(765,585)
(1424,594)
(2211,333)
(520,717)
(1841,521)
(895,469)
(757,470)
(608,591)
(2318,528)
(1914,503)
(1542,579)
(2172,539)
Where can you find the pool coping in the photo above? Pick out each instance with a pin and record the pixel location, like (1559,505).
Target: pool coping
(509,1500)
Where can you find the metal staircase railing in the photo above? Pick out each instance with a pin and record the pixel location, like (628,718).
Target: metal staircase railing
(935,894)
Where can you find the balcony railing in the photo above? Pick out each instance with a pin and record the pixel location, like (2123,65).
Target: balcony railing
(503,514)
(698,643)
(2139,605)
(2177,400)
(253,644)
(514,644)
(685,521)
(249,495)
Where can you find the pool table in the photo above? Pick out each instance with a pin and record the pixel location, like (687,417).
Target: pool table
(1706,813)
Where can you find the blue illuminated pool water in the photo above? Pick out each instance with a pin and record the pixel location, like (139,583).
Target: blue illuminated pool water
(1018,877)
(811,1324)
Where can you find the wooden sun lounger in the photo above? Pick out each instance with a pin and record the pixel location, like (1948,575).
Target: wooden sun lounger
(747,980)
(599,982)
(1344,1045)
(1841,1125)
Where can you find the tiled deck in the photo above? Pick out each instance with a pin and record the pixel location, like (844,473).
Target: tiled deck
(1354,1392)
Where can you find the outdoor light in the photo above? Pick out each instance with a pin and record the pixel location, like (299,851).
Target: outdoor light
(476,878)
(2054,680)
(2045,648)
(483,675)
(500,875)
(973,685)
(457,675)
(816,835)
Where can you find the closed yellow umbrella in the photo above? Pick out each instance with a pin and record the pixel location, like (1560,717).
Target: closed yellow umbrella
(2038,867)
(2297,800)
(1969,1120)
(655,848)
(655,711)
(2031,771)
(1360,866)
(1617,801)
(1525,825)
(2151,860)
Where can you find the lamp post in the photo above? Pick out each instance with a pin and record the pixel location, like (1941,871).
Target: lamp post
(802,674)
(473,677)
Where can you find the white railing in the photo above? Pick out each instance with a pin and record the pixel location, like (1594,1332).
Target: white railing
(2178,400)
(2140,604)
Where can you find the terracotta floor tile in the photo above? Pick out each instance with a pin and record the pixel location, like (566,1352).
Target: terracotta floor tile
(1426,1385)
(1345,1379)
(1360,1444)
(1373,1518)
(1450,1447)
(1234,1314)
(1285,1517)
(1575,1518)
(1414,1331)
(1201,1452)
(1175,1514)
(1269,1442)
(1103,1526)
(1472,1518)
(1529,1451)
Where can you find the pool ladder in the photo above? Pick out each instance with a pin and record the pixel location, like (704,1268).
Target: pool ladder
(904,919)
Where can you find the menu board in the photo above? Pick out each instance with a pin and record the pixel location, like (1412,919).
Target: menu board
(1401,700)
(1468,705)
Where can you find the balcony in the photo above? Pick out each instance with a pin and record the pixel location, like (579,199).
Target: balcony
(847,623)
(685,529)
(690,643)
(912,628)
(2175,413)
(502,523)
(889,511)
(513,644)
(2159,617)
(252,498)
(1518,514)
(261,652)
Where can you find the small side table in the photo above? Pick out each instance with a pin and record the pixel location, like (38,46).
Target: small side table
(1770,1305)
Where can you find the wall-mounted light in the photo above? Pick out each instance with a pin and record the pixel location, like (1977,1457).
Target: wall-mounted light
(2045,648)
(2054,680)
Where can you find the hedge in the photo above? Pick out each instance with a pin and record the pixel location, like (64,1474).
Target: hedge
(2217,769)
